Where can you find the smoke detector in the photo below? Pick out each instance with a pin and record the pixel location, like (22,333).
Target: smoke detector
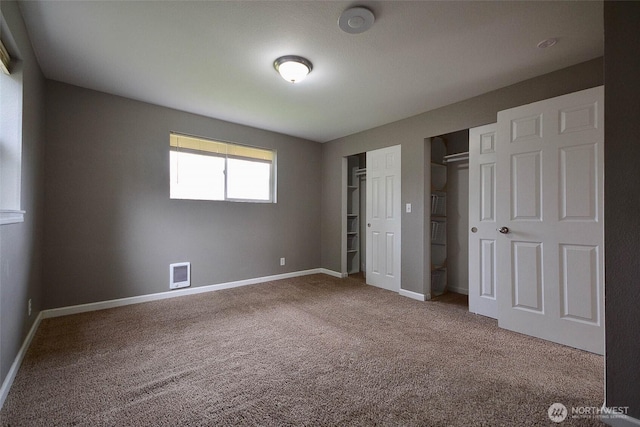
(547,43)
(356,20)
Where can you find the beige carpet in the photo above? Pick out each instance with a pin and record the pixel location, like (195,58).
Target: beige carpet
(307,351)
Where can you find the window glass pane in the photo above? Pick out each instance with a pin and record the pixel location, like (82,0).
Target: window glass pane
(248,179)
(198,177)
(205,169)
(11,106)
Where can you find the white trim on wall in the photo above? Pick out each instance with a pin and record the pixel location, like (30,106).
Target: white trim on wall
(101,305)
(618,420)
(332,273)
(15,366)
(458,290)
(11,216)
(412,295)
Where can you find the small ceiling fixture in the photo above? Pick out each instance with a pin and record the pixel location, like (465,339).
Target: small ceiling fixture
(547,43)
(293,68)
(356,20)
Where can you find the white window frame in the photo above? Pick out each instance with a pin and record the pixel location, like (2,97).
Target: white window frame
(11,103)
(227,150)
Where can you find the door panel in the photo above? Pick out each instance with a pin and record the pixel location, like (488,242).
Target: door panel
(580,286)
(526,128)
(577,119)
(389,248)
(482,221)
(550,172)
(383,217)
(526,185)
(578,184)
(488,268)
(375,253)
(389,199)
(375,199)
(527,281)
(487,192)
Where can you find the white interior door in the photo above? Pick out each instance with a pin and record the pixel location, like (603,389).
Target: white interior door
(383,218)
(482,221)
(550,173)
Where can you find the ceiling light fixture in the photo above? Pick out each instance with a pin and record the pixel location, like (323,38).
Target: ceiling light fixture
(293,68)
(547,43)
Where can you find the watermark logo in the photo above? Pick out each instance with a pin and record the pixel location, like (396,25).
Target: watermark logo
(557,412)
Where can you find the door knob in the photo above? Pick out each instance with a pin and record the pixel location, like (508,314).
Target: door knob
(369,225)
(503,230)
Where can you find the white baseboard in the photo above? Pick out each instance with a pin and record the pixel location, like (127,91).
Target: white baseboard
(463,291)
(618,420)
(332,273)
(412,295)
(15,366)
(101,305)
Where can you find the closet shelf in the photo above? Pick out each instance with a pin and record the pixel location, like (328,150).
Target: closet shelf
(355,176)
(437,216)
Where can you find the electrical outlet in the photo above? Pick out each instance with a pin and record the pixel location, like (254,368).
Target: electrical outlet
(29,307)
(282,261)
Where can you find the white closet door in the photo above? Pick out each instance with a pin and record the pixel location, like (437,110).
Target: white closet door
(482,221)
(384,218)
(550,174)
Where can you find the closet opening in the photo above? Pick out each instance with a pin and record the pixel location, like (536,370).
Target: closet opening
(449,217)
(355,238)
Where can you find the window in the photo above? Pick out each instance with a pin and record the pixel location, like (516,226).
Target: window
(203,169)
(10,134)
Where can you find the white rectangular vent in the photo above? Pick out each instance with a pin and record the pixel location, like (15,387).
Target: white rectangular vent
(179,275)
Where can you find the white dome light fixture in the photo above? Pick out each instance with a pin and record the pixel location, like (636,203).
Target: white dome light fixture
(293,68)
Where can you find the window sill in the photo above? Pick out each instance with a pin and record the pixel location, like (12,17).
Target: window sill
(11,216)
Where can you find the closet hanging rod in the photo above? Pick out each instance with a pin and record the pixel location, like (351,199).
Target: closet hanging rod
(464,153)
(456,157)
(362,171)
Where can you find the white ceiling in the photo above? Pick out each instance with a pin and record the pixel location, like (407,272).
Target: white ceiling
(216,58)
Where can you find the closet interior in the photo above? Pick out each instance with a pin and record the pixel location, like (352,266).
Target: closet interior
(356,214)
(449,214)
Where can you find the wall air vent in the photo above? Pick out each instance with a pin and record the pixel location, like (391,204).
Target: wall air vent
(179,275)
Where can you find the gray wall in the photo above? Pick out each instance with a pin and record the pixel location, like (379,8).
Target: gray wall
(622,204)
(20,244)
(111,230)
(411,133)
